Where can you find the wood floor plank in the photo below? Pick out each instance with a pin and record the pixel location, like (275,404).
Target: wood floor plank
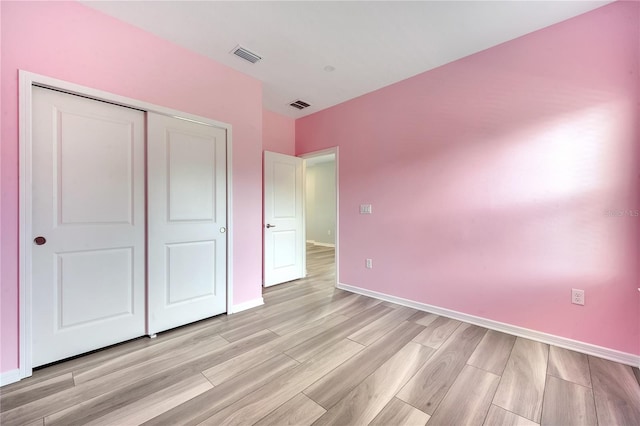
(391,305)
(309,348)
(91,396)
(616,392)
(493,352)
(296,292)
(522,386)
(309,330)
(498,416)
(424,318)
(569,365)
(469,398)
(34,392)
(136,377)
(204,359)
(210,402)
(362,303)
(72,365)
(226,370)
(123,408)
(272,319)
(168,370)
(436,333)
(161,362)
(367,400)
(431,383)
(306,302)
(222,372)
(281,302)
(143,355)
(264,400)
(298,411)
(566,403)
(91,360)
(399,413)
(378,328)
(334,386)
(294,322)
(150,407)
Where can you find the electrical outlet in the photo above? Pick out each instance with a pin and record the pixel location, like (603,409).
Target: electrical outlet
(577,296)
(368,263)
(365,208)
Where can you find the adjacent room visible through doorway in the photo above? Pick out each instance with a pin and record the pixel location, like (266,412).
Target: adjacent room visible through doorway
(321,214)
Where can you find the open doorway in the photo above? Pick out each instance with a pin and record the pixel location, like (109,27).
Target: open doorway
(321,215)
(301,228)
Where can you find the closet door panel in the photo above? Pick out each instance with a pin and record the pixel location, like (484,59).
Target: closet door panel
(88,254)
(187,192)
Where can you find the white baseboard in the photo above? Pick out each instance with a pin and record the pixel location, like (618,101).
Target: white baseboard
(246,305)
(9,377)
(563,342)
(316,243)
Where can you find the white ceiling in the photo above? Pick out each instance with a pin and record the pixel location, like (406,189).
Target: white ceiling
(371,44)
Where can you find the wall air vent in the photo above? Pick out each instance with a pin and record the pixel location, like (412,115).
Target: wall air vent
(299,104)
(245,54)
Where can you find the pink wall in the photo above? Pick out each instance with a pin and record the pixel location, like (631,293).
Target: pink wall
(278,133)
(489,179)
(71,42)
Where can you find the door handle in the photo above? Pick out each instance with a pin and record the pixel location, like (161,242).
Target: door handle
(39,240)
(270,226)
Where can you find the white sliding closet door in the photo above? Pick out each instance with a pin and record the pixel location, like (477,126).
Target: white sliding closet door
(187,193)
(88,224)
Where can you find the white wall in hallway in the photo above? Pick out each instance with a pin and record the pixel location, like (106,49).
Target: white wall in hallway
(321,202)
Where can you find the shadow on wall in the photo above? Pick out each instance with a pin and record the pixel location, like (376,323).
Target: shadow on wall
(490,178)
(509,203)
(546,195)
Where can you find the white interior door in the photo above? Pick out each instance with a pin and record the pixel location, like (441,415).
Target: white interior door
(187,219)
(88,225)
(284,241)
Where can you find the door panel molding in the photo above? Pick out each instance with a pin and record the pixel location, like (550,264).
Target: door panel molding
(27,80)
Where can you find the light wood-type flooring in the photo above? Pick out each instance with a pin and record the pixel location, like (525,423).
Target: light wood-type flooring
(317,355)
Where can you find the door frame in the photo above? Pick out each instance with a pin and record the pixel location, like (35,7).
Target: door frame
(25,102)
(335,151)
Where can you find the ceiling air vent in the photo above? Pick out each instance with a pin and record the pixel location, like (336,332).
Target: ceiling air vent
(299,104)
(246,54)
